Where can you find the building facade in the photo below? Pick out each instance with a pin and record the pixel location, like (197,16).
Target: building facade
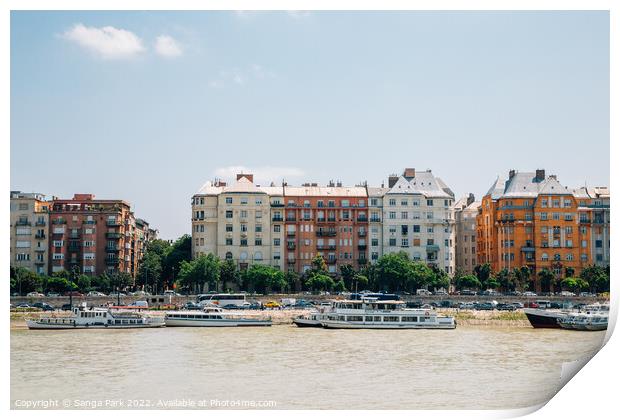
(29,236)
(418,218)
(531,220)
(465,214)
(288,226)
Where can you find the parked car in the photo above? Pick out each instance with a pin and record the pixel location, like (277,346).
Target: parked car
(513,293)
(528,293)
(35,294)
(95,293)
(272,304)
(74,293)
(567,294)
(53,294)
(468,293)
(587,294)
(192,306)
(466,305)
(43,306)
(505,307)
(530,305)
(23,305)
(517,305)
(172,293)
(484,306)
(255,305)
(554,305)
(423,292)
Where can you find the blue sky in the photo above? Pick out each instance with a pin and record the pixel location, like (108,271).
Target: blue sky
(147,106)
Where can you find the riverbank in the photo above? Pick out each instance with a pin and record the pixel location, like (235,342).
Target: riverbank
(282,317)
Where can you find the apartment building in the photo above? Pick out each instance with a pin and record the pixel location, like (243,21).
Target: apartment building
(375,222)
(530,219)
(29,231)
(418,218)
(330,221)
(465,214)
(94,236)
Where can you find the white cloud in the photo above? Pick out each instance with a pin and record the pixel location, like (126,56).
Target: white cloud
(168,47)
(240,76)
(108,42)
(263,175)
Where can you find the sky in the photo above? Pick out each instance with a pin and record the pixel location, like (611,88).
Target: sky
(148,106)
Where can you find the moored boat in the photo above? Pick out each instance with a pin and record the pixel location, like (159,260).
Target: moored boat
(213,317)
(83,317)
(313,319)
(369,313)
(541,318)
(593,318)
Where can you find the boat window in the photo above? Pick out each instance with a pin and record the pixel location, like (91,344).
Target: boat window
(355,318)
(410,319)
(390,319)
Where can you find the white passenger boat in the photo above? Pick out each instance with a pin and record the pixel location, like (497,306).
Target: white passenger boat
(83,317)
(313,319)
(370,313)
(213,317)
(592,318)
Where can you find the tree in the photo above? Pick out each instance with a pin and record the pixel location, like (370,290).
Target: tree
(59,285)
(319,282)
(25,281)
(292,281)
(483,272)
(264,278)
(206,271)
(546,278)
(394,272)
(348,273)
(180,250)
(101,282)
(569,272)
(120,281)
(150,271)
(506,279)
(596,277)
(360,282)
(574,284)
(339,286)
(521,277)
(83,282)
(319,265)
(468,282)
(229,275)
(436,278)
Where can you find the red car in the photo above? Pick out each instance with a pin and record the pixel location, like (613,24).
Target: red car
(530,305)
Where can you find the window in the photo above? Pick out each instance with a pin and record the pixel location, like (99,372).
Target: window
(258,228)
(229,214)
(544,256)
(429,202)
(392,202)
(392,241)
(569,257)
(243,242)
(229,227)
(403,202)
(243,201)
(584,244)
(229,241)
(229,200)
(392,215)
(276,241)
(374,242)
(258,241)
(429,229)
(244,227)
(258,214)
(244,214)
(405,243)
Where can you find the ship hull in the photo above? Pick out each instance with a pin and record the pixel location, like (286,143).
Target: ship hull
(543,319)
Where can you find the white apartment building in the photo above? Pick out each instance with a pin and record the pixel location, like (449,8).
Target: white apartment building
(375,221)
(418,218)
(29,226)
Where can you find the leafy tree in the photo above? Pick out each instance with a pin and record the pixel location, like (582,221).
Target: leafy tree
(348,273)
(150,271)
(339,286)
(394,272)
(492,283)
(546,278)
(574,284)
(319,265)
(264,278)
(101,282)
(207,271)
(483,272)
(360,282)
(506,279)
(229,275)
(292,281)
(180,250)
(59,285)
(120,281)
(468,282)
(83,282)
(569,272)
(319,282)
(436,278)
(521,277)
(596,277)
(25,281)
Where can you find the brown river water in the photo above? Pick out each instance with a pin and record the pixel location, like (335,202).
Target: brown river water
(293,368)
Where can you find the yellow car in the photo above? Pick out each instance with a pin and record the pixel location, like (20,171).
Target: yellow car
(272,304)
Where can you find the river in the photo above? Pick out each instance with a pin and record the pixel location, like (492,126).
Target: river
(292,368)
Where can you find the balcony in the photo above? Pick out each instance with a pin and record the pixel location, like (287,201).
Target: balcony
(40,236)
(362,261)
(375,219)
(277,205)
(362,246)
(22,223)
(39,223)
(74,236)
(362,219)
(290,245)
(331,219)
(320,220)
(291,260)
(331,260)
(290,234)
(113,235)
(40,250)
(112,261)
(291,219)
(432,248)
(277,219)
(59,222)
(111,222)
(112,248)
(325,233)
(73,248)
(326,247)
(362,233)
(93,222)
(528,249)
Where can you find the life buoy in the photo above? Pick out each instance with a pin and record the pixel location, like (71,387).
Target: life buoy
(426,313)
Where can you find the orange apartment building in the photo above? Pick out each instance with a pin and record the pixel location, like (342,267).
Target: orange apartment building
(531,220)
(330,221)
(96,236)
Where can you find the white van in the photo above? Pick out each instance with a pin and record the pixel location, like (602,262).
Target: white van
(423,292)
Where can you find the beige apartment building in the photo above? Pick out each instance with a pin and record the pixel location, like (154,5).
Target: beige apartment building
(465,213)
(29,216)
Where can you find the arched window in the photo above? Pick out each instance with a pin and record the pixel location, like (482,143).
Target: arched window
(544,256)
(229,255)
(243,256)
(569,257)
(557,257)
(258,256)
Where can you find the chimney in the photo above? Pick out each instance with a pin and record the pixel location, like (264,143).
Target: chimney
(330,183)
(409,173)
(470,198)
(250,177)
(339,183)
(392,180)
(511,173)
(540,175)
(83,197)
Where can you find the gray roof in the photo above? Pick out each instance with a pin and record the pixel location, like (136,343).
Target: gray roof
(424,183)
